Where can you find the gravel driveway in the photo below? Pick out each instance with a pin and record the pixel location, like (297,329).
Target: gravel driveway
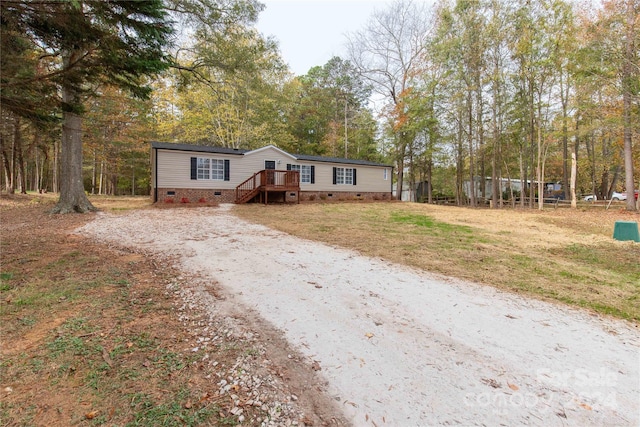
(402,347)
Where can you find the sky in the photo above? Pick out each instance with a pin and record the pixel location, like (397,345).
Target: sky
(310,32)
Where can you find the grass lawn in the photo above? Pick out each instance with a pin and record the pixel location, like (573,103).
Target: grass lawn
(560,255)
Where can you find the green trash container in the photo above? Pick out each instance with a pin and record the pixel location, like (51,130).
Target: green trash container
(626,230)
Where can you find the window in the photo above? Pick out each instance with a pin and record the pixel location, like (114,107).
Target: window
(348,176)
(217,169)
(344,176)
(386,174)
(205,168)
(306,173)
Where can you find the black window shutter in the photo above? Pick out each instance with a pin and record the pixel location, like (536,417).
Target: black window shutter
(335,176)
(194,168)
(288,166)
(226,170)
(313,174)
(354,176)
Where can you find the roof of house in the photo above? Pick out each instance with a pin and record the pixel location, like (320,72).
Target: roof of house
(337,160)
(198,148)
(238,151)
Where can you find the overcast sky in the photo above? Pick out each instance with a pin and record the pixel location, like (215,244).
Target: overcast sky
(310,32)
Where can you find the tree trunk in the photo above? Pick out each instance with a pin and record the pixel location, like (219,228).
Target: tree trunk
(42,186)
(101,179)
(72,195)
(401,153)
(523,180)
(589,142)
(540,164)
(472,184)
(565,137)
(6,164)
(412,177)
(133,179)
(574,174)
(460,162)
(430,180)
(481,147)
(35,148)
(13,167)
(346,134)
(627,88)
(55,175)
(576,144)
(532,163)
(94,172)
(19,158)
(36,170)
(495,186)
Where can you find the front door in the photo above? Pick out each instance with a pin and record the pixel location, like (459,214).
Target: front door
(270,165)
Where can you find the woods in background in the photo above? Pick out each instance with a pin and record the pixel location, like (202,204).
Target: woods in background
(452,94)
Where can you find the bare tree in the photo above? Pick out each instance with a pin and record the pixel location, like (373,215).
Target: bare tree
(386,52)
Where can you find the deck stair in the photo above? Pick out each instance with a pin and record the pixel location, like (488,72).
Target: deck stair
(265,181)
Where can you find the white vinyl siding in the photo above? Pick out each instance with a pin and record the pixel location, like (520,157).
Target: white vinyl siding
(369,179)
(253,161)
(174,166)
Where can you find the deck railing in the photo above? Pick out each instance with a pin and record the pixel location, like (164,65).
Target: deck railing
(267,180)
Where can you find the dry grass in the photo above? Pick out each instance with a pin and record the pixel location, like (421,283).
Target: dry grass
(92,335)
(88,332)
(560,255)
(121,203)
(48,200)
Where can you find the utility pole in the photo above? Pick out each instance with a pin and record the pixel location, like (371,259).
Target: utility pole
(346,140)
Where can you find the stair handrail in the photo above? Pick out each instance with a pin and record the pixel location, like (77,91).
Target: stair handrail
(246,187)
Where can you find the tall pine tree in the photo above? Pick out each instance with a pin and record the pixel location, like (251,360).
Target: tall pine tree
(86,44)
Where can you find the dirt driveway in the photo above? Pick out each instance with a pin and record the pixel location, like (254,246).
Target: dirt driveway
(398,346)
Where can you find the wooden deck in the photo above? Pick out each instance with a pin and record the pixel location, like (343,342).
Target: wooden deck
(268,181)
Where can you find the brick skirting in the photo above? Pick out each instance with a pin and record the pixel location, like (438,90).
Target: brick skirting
(190,195)
(337,196)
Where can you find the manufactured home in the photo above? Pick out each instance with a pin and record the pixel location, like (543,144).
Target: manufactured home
(195,173)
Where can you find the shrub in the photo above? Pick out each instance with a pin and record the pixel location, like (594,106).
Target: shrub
(184,200)
(168,200)
(202,200)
